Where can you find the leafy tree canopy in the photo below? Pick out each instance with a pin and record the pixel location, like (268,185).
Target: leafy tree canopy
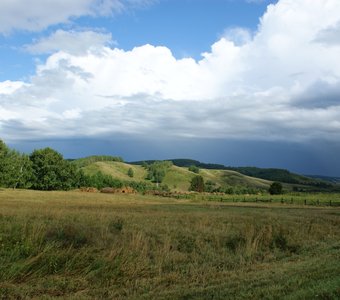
(275,188)
(157,170)
(197,184)
(15,168)
(51,171)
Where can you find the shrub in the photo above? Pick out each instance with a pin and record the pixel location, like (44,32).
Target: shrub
(275,188)
(130,172)
(194,169)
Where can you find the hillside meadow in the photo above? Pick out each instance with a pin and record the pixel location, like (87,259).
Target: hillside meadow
(100,246)
(176,178)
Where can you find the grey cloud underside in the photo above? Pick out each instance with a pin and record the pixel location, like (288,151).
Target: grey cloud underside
(320,95)
(75,42)
(329,36)
(143,115)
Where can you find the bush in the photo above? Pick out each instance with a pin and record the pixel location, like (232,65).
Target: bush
(194,169)
(275,188)
(100,180)
(130,172)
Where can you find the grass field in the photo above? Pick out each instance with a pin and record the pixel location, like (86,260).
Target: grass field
(310,199)
(82,246)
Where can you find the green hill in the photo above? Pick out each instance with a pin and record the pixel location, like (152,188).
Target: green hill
(116,169)
(83,162)
(271,174)
(177,178)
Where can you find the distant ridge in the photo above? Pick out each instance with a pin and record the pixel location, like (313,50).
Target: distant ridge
(185,162)
(272,174)
(334,180)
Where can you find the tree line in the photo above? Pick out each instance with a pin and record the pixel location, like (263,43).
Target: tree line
(46,169)
(43,169)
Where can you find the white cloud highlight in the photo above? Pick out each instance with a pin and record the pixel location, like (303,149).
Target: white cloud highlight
(8,87)
(267,87)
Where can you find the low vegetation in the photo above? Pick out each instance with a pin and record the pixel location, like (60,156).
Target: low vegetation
(82,246)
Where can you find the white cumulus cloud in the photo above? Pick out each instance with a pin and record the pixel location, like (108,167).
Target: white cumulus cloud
(279,83)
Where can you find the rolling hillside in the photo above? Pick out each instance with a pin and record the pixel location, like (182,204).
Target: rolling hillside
(272,174)
(176,178)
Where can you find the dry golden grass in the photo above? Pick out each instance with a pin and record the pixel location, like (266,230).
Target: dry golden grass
(82,246)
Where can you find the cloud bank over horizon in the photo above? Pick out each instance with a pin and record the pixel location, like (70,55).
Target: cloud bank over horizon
(281,82)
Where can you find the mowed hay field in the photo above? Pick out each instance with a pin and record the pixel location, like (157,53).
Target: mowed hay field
(97,246)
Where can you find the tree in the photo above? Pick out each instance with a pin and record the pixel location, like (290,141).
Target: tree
(157,171)
(19,170)
(197,184)
(194,169)
(4,151)
(15,168)
(275,188)
(130,172)
(51,171)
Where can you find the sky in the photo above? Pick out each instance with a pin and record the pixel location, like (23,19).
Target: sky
(236,82)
